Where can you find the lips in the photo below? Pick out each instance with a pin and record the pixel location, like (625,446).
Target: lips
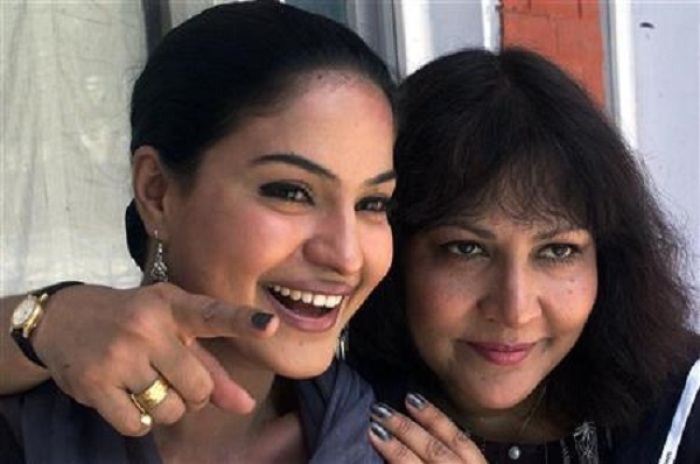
(305,310)
(502,354)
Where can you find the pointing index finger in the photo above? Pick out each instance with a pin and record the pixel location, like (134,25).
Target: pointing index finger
(200,316)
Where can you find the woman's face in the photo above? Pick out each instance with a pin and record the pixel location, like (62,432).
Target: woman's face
(494,304)
(288,215)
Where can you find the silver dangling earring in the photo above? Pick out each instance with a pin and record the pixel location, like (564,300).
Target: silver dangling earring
(159,270)
(343,347)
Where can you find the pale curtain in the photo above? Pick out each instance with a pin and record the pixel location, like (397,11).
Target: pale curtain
(66,70)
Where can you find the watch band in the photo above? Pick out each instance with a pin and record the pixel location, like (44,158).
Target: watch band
(42,295)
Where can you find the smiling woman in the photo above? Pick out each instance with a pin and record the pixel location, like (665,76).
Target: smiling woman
(309,219)
(537,295)
(499,303)
(262,167)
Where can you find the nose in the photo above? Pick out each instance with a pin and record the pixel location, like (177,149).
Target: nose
(336,244)
(511,295)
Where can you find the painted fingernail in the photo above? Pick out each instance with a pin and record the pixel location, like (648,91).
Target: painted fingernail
(416,400)
(379,430)
(261,320)
(381,410)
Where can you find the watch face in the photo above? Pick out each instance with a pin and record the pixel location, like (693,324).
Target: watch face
(23,312)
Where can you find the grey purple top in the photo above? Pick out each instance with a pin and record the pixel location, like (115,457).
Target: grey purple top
(45,426)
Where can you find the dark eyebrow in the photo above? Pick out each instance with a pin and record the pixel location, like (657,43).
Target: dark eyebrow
(295,160)
(314,168)
(561,228)
(381,178)
(462,223)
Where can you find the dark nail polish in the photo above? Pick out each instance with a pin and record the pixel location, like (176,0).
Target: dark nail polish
(380,431)
(416,400)
(261,320)
(381,410)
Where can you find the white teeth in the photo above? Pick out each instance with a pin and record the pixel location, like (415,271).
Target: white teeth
(316,299)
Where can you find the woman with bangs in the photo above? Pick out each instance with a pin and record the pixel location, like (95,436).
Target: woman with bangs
(536,295)
(535,310)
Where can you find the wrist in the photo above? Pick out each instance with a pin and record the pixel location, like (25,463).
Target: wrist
(27,317)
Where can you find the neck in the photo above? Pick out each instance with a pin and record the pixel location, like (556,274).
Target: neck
(212,434)
(526,422)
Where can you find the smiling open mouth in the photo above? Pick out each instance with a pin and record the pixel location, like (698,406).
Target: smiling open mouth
(305,304)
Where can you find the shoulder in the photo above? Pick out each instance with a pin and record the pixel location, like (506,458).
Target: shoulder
(334,413)
(671,425)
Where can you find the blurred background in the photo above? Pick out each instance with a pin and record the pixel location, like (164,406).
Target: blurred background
(67,66)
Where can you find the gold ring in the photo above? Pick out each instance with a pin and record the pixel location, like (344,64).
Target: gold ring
(151,397)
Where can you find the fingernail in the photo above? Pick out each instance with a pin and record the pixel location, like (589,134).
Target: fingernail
(381,410)
(261,320)
(416,400)
(380,431)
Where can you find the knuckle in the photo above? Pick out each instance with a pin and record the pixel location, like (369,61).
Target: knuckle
(112,352)
(403,426)
(148,301)
(436,450)
(200,394)
(127,425)
(86,383)
(400,452)
(140,314)
(159,291)
(170,413)
(459,438)
(211,312)
(130,428)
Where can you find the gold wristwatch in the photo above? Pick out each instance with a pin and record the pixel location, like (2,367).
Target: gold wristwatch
(26,317)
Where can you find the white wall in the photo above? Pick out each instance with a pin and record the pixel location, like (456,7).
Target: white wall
(426,29)
(656,82)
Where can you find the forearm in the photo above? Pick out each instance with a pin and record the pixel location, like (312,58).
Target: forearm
(17,373)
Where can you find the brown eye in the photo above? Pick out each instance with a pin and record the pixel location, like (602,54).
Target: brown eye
(287,192)
(467,249)
(373,205)
(558,251)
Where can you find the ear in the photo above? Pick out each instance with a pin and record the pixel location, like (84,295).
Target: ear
(152,184)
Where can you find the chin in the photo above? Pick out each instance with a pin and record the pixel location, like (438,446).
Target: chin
(311,361)
(502,398)
(305,370)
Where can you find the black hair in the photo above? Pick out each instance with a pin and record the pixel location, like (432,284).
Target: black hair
(479,129)
(224,65)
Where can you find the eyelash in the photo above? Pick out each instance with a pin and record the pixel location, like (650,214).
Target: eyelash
(294,193)
(475,251)
(286,191)
(457,248)
(571,252)
(376,205)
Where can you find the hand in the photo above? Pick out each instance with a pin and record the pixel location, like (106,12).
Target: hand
(431,437)
(101,344)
